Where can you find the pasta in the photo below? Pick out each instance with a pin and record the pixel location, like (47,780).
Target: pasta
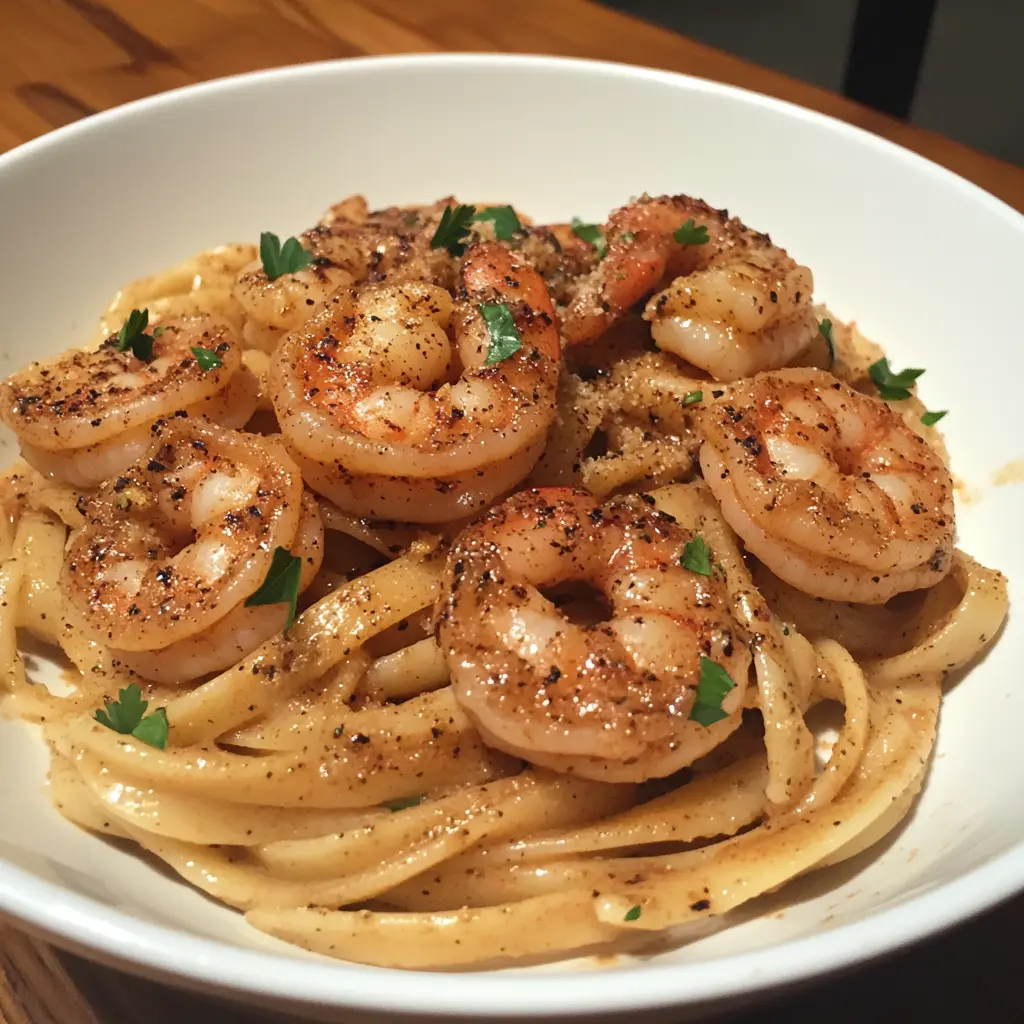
(440,589)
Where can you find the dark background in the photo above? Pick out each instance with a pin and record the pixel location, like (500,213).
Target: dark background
(970,84)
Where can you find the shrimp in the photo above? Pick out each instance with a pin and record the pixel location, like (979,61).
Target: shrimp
(171,549)
(387,418)
(748,310)
(607,701)
(350,246)
(734,304)
(828,487)
(83,417)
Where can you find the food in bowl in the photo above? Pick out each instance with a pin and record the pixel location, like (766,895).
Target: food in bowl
(445,589)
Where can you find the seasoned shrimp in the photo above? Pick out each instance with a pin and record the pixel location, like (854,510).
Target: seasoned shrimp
(171,549)
(351,245)
(607,701)
(388,418)
(748,310)
(734,305)
(828,487)
(84,416)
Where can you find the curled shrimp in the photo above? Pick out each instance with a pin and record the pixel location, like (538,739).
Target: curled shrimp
(734,305)
(350,245)
(84,416)
(607,701)
(389,417)
(828,487)
(171,549)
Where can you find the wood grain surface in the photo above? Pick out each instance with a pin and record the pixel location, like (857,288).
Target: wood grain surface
(61,60)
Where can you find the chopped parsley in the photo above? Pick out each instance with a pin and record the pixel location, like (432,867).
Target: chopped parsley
(929,419)
(714,684)
(133,335)
(633,914)
(506,223)
(693,397)
(127,716)
(825,330)
(454,226)
(697,557)
(627,236)
(281,259)
(893,387)
(505,340)
(591,233)
(403,802)
(690,234)
(281,585)
(206,358)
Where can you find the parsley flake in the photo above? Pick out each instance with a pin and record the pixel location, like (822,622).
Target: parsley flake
(591,233)
(403,802)
(633,914)
(929,419)
(893,387)
(206,358)
(281,585)
(127,716)
(506,223)
(693,397)
(714,684)
(697,557)
(279,259)
(505,340)
(133,335)
(691,234)
(627,236)
(825,330)
(454,227)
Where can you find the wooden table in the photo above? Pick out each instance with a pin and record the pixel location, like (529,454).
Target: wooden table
(63,59)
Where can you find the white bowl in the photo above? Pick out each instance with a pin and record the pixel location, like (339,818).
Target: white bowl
(927,263)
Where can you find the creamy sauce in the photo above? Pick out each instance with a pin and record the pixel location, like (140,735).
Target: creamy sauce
(1011,473)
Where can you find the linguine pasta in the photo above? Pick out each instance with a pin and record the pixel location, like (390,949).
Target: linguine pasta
(575,536)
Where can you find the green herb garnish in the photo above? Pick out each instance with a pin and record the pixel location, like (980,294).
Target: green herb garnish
(506,223)
(690,234)
(206,358)
(714,684)
(132,335)
(693,397)
(403,802)
(633,914)
(505,340)
(454,226)
(825,330)
(281,585)
(591,233)
(627,236)
(697,557)
(127,715)
(281,259)
(893,387)
(929,419)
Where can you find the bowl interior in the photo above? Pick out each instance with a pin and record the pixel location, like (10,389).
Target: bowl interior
(917,256)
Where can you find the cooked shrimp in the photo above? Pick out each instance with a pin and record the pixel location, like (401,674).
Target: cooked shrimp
(242,630)
(748,310)
(173,546)
(828,487)
(735,304)
(388,418)
(84,416)
(350,246)
(607,701)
